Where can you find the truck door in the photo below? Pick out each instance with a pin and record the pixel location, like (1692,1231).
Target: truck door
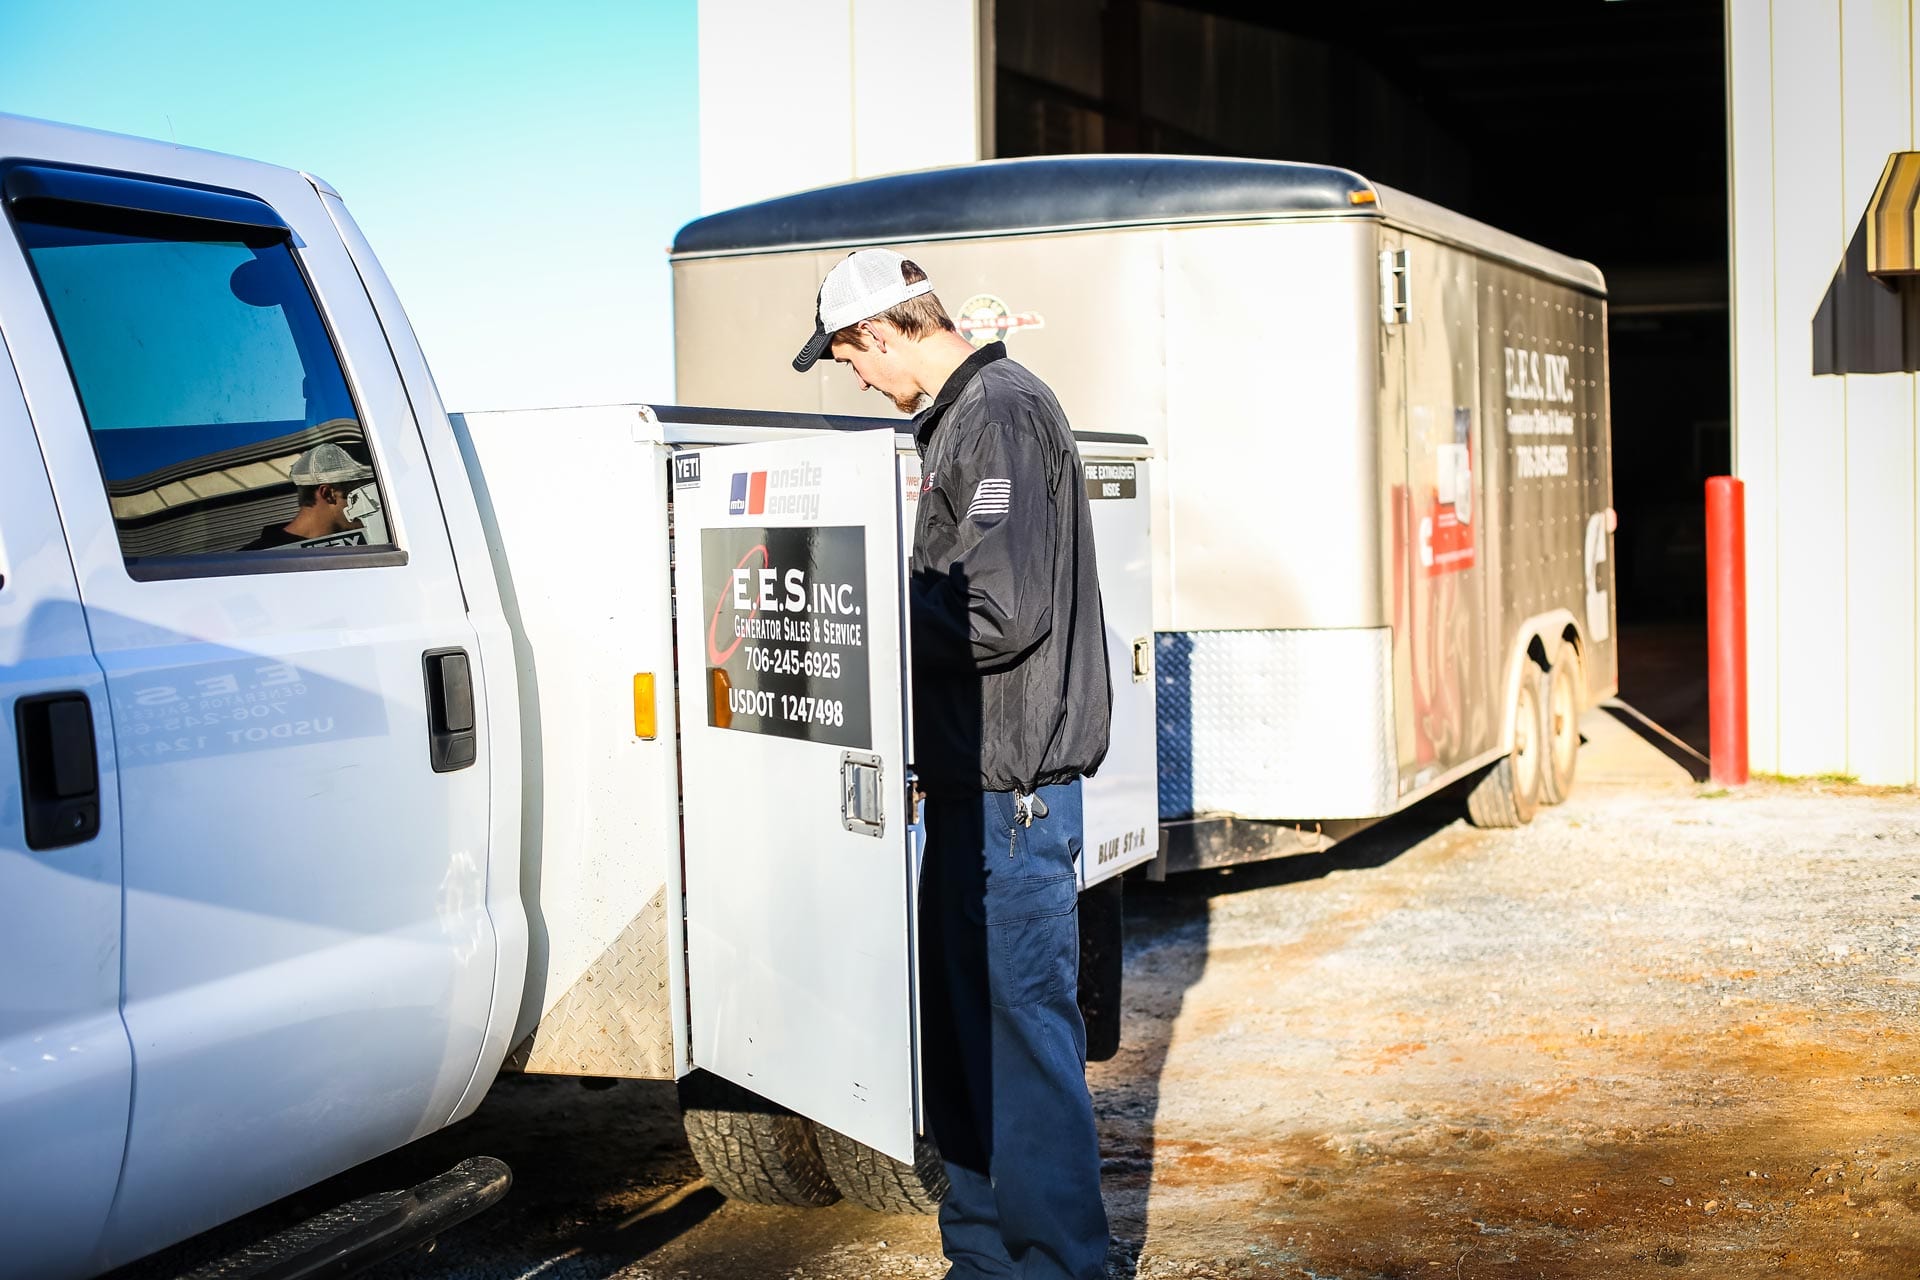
(269,587)
(800,841)
(65,1068)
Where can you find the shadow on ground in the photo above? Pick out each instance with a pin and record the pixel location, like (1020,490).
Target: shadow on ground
(1167,949)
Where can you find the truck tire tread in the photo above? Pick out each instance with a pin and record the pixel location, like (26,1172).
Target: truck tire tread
(752,1150)
(877,1181)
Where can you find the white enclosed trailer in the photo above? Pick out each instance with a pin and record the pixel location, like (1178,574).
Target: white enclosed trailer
(1382,518)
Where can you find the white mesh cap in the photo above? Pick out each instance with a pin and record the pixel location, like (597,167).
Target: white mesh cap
(327,464)
(865,283)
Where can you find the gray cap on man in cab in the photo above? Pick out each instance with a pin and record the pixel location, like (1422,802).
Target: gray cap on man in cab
(328,464)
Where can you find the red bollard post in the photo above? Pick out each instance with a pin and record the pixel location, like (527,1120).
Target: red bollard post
(1727,629)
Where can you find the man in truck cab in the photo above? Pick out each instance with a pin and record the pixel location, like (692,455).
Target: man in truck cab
(324,477)
(1011,708)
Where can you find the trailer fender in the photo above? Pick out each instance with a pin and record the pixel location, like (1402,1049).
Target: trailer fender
(1546,630)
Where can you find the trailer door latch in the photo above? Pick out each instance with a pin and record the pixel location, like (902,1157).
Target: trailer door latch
(862,809)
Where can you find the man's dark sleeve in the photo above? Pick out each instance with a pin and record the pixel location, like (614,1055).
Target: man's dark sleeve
(993,601)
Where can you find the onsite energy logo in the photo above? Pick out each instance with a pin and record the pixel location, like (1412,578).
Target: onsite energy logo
(748,496)
(782,491)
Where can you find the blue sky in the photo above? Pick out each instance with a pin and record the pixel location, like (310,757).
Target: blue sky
(519,168)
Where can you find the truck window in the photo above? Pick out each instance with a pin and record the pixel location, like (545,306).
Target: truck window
(217,406)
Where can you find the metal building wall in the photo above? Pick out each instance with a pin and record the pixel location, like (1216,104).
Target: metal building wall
(801,93)
(1820,92)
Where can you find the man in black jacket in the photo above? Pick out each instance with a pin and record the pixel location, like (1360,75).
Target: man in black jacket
(1011,705)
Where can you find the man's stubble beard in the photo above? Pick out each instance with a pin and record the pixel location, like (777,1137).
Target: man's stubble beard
(907,404)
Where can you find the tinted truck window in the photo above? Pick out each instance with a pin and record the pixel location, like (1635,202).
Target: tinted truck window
(217,406)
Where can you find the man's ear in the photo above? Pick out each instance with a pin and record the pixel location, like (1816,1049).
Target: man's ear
(881,332)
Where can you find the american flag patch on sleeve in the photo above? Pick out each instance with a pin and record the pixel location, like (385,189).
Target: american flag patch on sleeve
(991,498)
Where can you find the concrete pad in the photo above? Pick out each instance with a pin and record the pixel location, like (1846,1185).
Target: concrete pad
(1616,754)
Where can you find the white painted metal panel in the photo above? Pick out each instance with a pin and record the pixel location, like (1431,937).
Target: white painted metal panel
(799,929)
(1755,378)
(743,67)
(574,504)
(1879,534)
(65,1066)
(494,663)
(291,899)
(1122,819)
(1810,239)
(875,54)
(1255,478)
(1913,60)
(927,51)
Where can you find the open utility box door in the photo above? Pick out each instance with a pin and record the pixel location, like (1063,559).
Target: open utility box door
(800,842)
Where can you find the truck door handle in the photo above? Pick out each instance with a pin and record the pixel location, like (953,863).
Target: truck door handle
(59,769)
(450,734)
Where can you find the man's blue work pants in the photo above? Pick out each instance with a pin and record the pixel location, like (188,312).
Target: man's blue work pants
(1005,1050)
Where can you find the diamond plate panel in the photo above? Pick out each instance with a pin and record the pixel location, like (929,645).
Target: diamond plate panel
(1276,724)
(617,1020)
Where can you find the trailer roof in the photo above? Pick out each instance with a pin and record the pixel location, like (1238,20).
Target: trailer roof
(1093,192)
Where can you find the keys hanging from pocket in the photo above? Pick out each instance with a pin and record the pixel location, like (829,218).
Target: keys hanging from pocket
(1028,807)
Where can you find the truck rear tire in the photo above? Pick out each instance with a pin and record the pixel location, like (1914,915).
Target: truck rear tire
(1508,794)
(752,1149)
(877,1181)
(1564,692)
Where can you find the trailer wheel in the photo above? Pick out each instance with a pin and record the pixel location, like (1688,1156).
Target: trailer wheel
(1561,713)
(1508,794)
(879,1182)
(752,1149)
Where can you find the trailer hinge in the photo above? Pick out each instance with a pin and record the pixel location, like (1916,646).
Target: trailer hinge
(1396,287)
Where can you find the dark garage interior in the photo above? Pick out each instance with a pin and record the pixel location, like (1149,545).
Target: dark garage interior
(1594,127)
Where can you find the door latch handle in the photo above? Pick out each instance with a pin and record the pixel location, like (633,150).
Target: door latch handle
(1143,660)
(451,743)
(862,810)
(59,769)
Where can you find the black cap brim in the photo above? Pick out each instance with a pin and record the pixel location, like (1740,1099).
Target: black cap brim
(816,347)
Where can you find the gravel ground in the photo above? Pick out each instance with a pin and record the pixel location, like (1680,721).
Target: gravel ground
(1661,1031)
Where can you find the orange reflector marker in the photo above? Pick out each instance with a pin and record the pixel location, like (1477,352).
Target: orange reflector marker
(1363,197)
(645,720)
(720,698)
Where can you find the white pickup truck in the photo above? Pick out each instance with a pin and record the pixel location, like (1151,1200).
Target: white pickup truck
(352,752)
